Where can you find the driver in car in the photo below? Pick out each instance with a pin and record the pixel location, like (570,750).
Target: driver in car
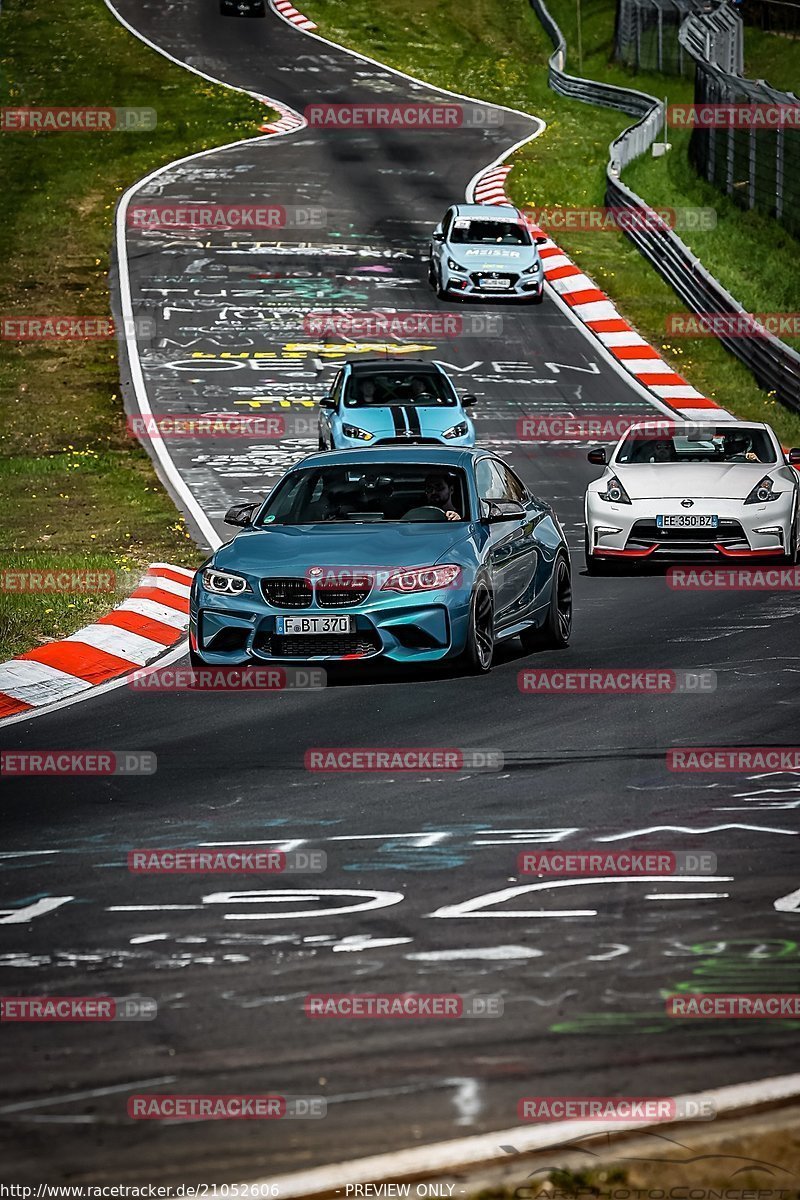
(439,494)
(738,448)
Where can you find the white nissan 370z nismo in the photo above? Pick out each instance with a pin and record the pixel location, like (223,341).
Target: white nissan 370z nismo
(684,491)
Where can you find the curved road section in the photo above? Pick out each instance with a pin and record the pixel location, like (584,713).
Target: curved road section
(422,890)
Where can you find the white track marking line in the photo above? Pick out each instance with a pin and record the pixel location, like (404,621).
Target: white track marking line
(440,1158)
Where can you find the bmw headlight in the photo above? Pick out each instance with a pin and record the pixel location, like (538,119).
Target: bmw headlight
(452,265)
(223,583)
(353,431)
(615,493)
(762,492)
(459,430)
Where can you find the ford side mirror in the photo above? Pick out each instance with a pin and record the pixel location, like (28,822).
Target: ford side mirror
(240,514)
(468,400)
(597,455)
(327,402)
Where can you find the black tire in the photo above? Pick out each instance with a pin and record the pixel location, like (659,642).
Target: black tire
(479,650)
(557,628)
(431,273)
(539,299)
(195,661)
(794,550)
(441,294)
(321,443)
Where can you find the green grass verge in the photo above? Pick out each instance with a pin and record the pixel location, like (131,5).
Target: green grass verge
(496,50)
(77,491)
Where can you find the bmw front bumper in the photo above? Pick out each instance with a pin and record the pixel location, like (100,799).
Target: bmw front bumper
(418,627)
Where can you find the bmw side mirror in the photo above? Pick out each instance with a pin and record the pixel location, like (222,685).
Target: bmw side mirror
(240,514)
(597,454)
(327,402)
(503,510)
(794,456)
(468,400)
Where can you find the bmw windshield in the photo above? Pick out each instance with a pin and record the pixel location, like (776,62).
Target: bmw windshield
(385,492)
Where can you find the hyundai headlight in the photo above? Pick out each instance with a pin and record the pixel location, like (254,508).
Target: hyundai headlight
(452,265)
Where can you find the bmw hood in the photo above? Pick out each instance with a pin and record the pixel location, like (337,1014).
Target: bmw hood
(511,258)
(292,549)
(725,481)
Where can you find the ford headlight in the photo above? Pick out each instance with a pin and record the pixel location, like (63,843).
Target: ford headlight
(459,430)
(353,431)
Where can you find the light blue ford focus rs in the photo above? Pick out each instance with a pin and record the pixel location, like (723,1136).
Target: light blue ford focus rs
(386,401)
(414,555)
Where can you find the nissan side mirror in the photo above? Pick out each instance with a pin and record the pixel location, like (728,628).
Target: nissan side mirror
(597,454)
(240,514)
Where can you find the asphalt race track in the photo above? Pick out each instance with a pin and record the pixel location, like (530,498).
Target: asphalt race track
(581,969)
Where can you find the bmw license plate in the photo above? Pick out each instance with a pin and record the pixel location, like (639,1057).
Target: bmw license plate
(687,521)
(499,285)
(320,625)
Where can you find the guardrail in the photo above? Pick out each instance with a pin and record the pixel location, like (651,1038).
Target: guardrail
(774,365)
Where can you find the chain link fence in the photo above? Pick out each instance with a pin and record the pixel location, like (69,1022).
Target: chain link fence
(646,35)
(757,164)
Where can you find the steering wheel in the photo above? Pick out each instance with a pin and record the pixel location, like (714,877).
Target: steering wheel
(425,512)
